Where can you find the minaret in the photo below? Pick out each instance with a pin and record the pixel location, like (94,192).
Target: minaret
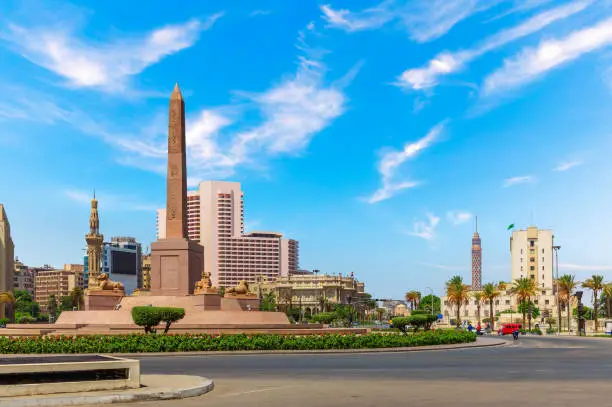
(94,244)
(476,260)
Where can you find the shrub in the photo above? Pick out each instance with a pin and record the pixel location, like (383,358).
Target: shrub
(150,317)
(324,317)
(139,343)
(401,323)
(4,321)
(24,319)
(551,331)
(422,321)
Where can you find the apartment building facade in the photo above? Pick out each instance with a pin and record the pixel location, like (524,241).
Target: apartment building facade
(58,283)
(23,277)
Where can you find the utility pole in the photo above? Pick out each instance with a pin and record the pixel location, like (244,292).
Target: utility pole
(556,249)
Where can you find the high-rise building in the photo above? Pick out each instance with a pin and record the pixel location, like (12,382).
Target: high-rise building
(7,254)
(531,255)
(476,260)
(94,244)
(215,218)
(56,282)
(23,278)
(122,261)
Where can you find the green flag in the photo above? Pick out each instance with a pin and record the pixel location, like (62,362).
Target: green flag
(511,226)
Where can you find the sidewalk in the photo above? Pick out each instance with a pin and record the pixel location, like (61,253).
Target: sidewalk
(154,387)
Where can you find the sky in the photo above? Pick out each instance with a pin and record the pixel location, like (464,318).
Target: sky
(372,132)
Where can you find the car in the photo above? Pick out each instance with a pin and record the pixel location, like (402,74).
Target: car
(507,329)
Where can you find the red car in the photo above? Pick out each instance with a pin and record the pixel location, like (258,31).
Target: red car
(507,329)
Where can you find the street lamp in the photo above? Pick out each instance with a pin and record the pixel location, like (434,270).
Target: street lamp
(556,249)
(432,299)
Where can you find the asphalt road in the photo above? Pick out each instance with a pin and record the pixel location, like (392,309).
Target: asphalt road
(559,371)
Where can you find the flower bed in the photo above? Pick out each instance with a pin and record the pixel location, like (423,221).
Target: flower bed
(140,343)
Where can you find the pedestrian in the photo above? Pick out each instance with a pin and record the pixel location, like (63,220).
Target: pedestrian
(478,329)
(470,327)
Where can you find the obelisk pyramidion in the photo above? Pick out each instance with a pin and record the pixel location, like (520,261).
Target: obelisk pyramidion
(176,262)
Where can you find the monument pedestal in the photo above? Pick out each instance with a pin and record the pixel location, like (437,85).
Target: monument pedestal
(176,265)
(207,301)
(247,302)
(103,300)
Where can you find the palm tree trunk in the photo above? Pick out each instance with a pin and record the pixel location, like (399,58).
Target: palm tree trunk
(478,311)
(595,305)
(459,314)
(608,304)
(492,317)
(569,315)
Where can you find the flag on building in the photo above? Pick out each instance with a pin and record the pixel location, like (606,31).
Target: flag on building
(511,226)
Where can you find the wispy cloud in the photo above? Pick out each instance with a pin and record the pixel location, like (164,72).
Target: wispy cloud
(447,63)
(260,13)
(458,217)
(567,165)
(425,20)
(108,66)
(391,161)
(533,63)
(425,229)
(445,267)
(109,201)
(583,267)
(519,180)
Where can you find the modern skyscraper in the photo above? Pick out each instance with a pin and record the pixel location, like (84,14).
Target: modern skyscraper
(122,261)
(94,244)
(476,260)
(532,256)
(230,254)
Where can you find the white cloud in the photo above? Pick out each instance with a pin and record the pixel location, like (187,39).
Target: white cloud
(85,63)
(392,160)
(567,165)
(581,267)
(447,63)
(519,180)
(109,201)
(260,13)
(458,217)
(532,63)
(425,229)
(425,20)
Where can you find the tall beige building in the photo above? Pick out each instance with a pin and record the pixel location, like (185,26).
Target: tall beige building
(215,218)
(23,277)
(532,256)
(57,282)
(7,254)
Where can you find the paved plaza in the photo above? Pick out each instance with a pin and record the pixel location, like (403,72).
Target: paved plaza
(560,371)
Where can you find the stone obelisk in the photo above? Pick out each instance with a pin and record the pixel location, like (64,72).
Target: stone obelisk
(176,262)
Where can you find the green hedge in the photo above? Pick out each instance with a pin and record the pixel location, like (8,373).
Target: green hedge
(150,317)
(137,343)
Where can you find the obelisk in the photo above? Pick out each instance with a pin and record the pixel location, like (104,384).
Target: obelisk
(176,262)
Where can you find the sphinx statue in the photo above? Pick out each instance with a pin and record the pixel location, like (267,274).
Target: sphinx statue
(204,286)
(241,289)
(104,283)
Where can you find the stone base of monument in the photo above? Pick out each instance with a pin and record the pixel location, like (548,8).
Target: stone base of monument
(176,265)
(207,301)
(247,302)
(29,376)
(102,300)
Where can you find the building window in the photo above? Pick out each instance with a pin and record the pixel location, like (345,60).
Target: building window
(532,259)
(542,259)
(507,302)
(543,292)
(532,268)
(542,268)
(496,302)
(521,251)
(521,268)
(547,302)
(535,301)
(542,251)
(532,277)
(531,251)
(532,243)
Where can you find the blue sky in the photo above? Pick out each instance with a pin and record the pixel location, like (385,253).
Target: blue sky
(370,131)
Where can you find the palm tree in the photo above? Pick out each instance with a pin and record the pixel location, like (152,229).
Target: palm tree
(607,290)
(457,293)
(417,299)
(502,286)
(524,288)
(410,299)
(595,284)
(489,293)
(478,298)
(567,284)
(7,297)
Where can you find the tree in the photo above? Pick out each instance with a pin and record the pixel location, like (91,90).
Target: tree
(425,304)
(169,315)
(595,284)
(588,313)
(65,304)
(7,297)
(150,317)
(77,297)
(525,306)
(607,298)
(502,286)
(457,293)
(478,298)
(412,299)
(52,305)
(524,288)
(489,293)
(268,302)
(24,304)
(567,284)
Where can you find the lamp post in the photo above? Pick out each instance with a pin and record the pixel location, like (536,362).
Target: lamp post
(556,249)
(432,299)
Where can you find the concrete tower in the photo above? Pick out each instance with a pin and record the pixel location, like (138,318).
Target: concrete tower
(94,244)
(476,260)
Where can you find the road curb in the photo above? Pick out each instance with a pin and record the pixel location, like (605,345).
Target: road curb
(125,396)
